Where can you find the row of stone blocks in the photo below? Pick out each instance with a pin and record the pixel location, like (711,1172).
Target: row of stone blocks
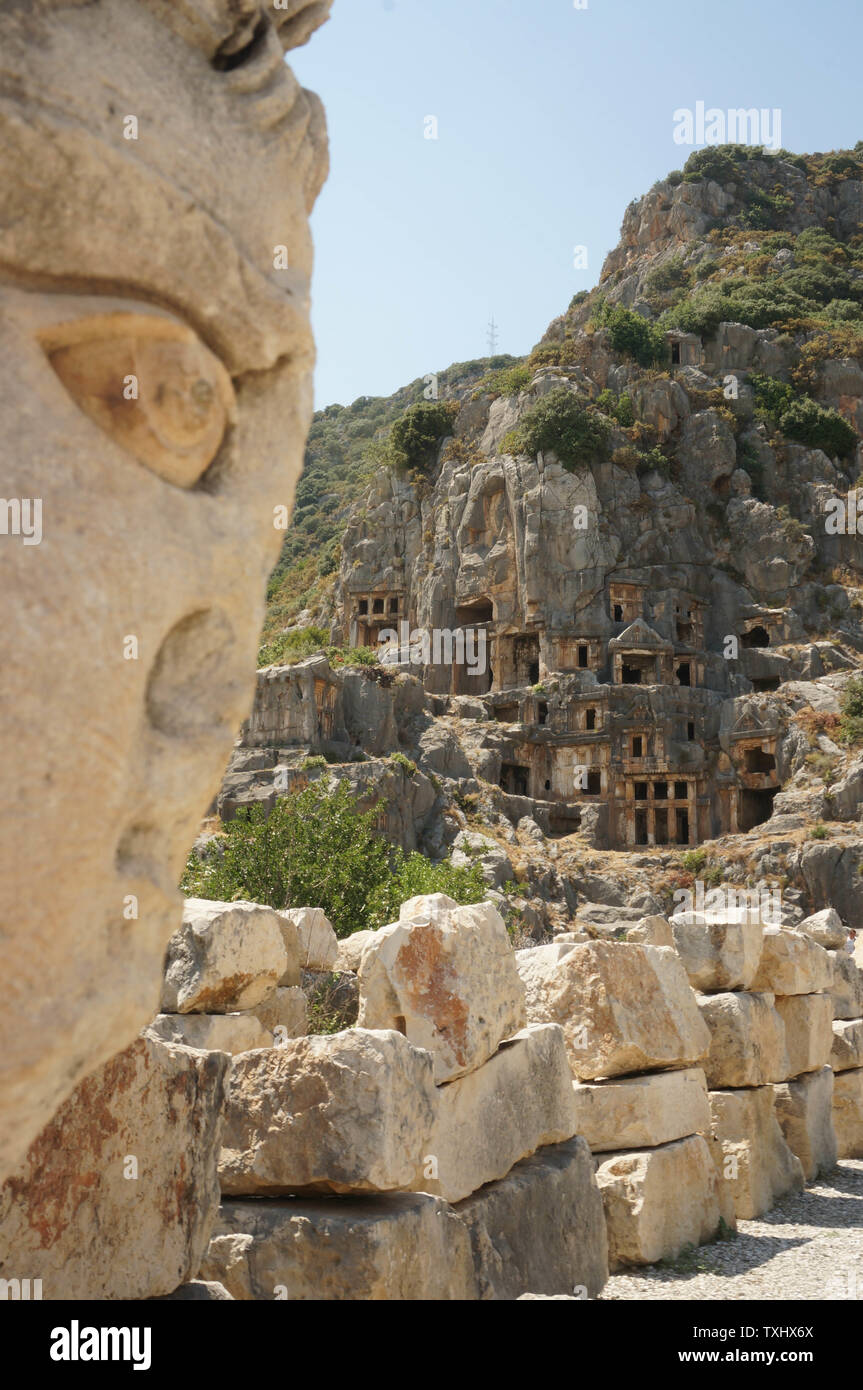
(673,1157)
(363,1143)
(428,1153)
(441,1093)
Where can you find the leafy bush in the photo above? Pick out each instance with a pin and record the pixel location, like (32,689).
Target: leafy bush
(810,423)
(317,849)
(509,381)
(414,874)
(414,439)
(289,647)
(851,719)
(631,335)
(718,162)
(669,276)
(563,423)
(401,761)
(771,395)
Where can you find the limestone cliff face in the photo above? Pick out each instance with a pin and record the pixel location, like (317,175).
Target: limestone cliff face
(640,608)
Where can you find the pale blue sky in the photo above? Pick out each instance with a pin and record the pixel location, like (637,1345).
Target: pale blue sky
(550,120)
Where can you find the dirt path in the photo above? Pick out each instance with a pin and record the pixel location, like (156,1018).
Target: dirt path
(809,1246)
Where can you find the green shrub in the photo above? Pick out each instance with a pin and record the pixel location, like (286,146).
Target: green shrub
(563,423)
(401,761)
(810,423)
(631,335)
(414,874)
(669,276)
(818,832)
(414,439)
(289,647)
(717,162)
(771,395)
(317,849)
(850,729)
(509,381)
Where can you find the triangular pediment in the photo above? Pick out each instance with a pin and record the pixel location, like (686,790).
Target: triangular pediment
(638,636)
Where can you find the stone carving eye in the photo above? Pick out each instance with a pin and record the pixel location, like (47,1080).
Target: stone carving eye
(151,384)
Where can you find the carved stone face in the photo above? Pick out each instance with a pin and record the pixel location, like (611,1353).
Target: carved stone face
(158,162)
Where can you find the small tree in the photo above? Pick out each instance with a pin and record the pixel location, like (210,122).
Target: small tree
(317,849)
(414,439)
(563,423)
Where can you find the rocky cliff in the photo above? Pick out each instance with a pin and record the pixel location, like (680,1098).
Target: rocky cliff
(622,575)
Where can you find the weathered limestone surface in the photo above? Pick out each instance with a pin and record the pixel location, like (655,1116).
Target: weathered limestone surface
(222,351)
(717,955)
(197,1291)
(284,1014)
(826,928)
(846,986)
(747,1040)
(651,931)
(116,1197)
(658,1200)
(623,1007)
(804,1111)
(347,1112)
(808,1020)
(641,1112)
(848,1113)
(541,1228)
(791,963)
(351,949)
(316,942)
(382,1248)
(281,1016)
(488,1120)
(847,1050)
(231,1033)
(225,957)
(752,1157)
(534,965)
(445,975)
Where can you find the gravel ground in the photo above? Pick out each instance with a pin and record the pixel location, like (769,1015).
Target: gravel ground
(809,1246)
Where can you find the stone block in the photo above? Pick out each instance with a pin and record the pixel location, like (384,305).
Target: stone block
(718,955)
(848,1113)
(534,965)
(804,1111)
(623,1007)
(752,1158)
(518,1101)
(351,950)
(541,1229)
(317,945)
(847,1051)
(651,931)
(117,1195)
(384,1248)
(791,963)
(846,986)
(826,928)
(445,976)
(658,1200)
(747,1040)
(225,957)
(639,1112)
(345,1112)
(808,1020)
(270,1024)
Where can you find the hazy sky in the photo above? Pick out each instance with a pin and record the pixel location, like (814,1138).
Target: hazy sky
(550,120)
